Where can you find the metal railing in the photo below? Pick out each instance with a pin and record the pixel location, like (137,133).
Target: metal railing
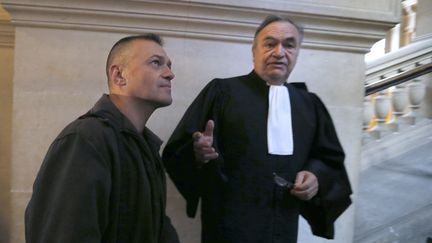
(398,79)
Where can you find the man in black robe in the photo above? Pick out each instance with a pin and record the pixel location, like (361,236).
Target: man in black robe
(102,179)
(260,134)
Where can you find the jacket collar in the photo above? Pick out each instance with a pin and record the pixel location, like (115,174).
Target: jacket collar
(105,109)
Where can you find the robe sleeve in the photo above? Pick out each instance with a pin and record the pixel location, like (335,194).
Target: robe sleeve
(70,194)
(178,155)
(327,163)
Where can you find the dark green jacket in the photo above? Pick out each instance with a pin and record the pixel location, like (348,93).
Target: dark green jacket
(101,181)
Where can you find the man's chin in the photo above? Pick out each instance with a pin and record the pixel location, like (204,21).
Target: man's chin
(165,103)
(278,78)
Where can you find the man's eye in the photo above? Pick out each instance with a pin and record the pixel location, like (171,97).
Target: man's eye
(290,45)
(269,45)
(155,62)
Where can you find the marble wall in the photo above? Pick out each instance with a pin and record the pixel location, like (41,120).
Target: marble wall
(60,49)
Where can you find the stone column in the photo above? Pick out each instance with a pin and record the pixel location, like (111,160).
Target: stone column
(61,47)
(424,32)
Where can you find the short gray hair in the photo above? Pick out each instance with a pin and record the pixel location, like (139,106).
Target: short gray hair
(275,18)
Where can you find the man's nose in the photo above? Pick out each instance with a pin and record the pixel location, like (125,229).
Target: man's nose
(278,51)
(168,74)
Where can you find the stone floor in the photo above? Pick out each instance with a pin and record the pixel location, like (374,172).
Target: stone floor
(394,203)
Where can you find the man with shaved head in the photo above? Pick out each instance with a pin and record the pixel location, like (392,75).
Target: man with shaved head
(258,151)
(102,179)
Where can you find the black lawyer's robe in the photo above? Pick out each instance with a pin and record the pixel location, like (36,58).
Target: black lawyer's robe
(240,202)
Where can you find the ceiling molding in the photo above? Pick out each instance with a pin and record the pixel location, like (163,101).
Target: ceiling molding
(377,10)
(201,20)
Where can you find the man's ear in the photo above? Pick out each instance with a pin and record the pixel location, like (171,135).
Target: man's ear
(116,75)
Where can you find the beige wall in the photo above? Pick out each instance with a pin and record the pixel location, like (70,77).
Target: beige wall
(60,55)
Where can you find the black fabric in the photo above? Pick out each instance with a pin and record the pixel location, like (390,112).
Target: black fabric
(239,201)
(101,181)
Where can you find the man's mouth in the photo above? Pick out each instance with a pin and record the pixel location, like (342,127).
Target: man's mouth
(277,64)
(166,87)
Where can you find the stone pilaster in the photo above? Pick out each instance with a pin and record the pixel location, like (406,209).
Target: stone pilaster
(6,76)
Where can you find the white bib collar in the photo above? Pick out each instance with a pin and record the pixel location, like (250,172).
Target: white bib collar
(279,124)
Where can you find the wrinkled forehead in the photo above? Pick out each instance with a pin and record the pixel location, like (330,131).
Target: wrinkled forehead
(280,30)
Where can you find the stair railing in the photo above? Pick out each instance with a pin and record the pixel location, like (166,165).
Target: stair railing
(392,99)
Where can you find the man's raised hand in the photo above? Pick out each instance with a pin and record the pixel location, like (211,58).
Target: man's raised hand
(203,144)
